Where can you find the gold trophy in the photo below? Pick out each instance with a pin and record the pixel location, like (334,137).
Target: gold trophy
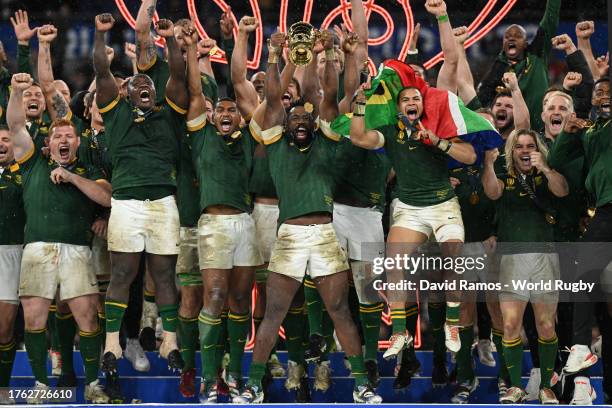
(301,38)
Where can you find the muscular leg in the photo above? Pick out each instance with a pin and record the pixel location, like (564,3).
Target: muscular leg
(124,268)
(281,290)
(512,313)
(162,269)
(548,343)
(85,312)
(215,284)
(35,315)
(8,347)
(452,248)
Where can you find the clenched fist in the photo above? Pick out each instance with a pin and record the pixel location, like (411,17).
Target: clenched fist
(104,22)
(21,81)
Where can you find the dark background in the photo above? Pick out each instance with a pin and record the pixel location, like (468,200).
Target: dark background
(72,50)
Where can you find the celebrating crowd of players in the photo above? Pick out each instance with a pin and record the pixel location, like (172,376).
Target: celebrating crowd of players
(221,193)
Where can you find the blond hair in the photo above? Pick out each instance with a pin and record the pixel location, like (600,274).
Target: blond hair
(562,94)
(511,142)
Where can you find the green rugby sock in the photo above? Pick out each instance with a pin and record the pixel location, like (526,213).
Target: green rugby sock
(328,335)
(222,340)
(52,327)
(513,353)
(548,356)
(188,338)
(90,345)
(293,324)
(36,346)
(169,317)
(256,373)
(465,371)
(437,315)
(114,312)
(497,336)
(370,315)
(66,328)
(149,296)
(238,329)
(7,357)
(453,311)
(314,305)
(210,328)
(358,370)
(398,320)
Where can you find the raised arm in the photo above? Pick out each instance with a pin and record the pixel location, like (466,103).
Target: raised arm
(328,110)
(23,144)
(447,79)
(130,51)
(226,23)
(521,111)
(360,136)
(246,95)
(579,80)
(204,48)
(493,187)
(351,71)
(285,78)
(56,104)
(556,182)
(106,87)
(145,47)
(24,34)
(275,113)
(465,79)
(584,31)
(175,89)
(360,27)
(311,87)
(197,103)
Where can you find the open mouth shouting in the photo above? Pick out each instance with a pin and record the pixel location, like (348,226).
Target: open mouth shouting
(511,49)
(145,95)
(3,153)
(412,113)
(32,108)
(526,160)
(605,107)
(301,132)
(556,123)
(64,152)
(226,125)
(501,118)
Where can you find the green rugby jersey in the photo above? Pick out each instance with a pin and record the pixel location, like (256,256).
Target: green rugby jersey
(304,180)
(187,186)
(223,166)
(519,218)
(421,170)
(39,130)
(477,210)
(143,148)
(596,146)
(361,175)
(12,215)
(56,213)
(261,183)
(159,72)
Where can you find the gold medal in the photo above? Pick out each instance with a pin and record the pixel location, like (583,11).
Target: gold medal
(550,218)
(474,198)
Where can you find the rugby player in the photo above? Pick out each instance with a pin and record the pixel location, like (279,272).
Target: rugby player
(526,214)
(64,188)
(142,140)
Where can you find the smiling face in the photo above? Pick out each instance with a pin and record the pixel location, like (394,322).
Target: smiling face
(503,113)
(523,147)
(141,92)
(557,109)
(515,42)
(63,144)
(338,62)
(410,103)
(259,82)
(6,147)
(601,99)
(33,102)
(226,117)
(300,124)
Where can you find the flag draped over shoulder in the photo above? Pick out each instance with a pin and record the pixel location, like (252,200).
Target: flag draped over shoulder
(443,112)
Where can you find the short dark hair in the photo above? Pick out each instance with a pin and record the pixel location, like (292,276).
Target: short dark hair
(486,111)
(405,89)
(602,79)
(505,92)
(294,104)
(224,99)
(4,127)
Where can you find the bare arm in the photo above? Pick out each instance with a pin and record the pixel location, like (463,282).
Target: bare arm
(106,88)
(329,104)
(205,46)
(465,80)
(360,27)
(246,96)
(360,136)
(455,148)
(98,191)
(311,88)
(493,187)
(275,113)
(285,79)
(351,72)
(584,31)
(447,79)
(130,52)
(56,104)
(175,89)
(197,103)
(23,144)
(521,111)
(556,182)
(145,47)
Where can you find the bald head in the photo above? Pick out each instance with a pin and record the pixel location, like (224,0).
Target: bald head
(515,42)
(62,88)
